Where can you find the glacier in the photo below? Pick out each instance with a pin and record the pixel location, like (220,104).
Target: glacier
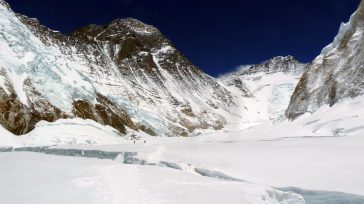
(24,56)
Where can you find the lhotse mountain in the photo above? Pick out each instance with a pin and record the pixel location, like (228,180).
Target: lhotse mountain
(263,91)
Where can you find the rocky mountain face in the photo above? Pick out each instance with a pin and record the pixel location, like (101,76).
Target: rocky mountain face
(263,90)
(122,74)
(337,73)
(284,64)
(39,83)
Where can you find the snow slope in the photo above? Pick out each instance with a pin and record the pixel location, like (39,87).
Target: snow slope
(7,138)
(344,118)
(74,131)
(263,91)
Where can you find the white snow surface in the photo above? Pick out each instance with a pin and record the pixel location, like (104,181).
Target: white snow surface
(8,139)
(74,131)
(38,178)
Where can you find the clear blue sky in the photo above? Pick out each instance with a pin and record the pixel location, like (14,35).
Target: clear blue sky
(216,35)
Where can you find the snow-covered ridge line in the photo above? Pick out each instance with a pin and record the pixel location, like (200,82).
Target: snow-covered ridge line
(276,64)
(137,26)
(344,29)
(5,4)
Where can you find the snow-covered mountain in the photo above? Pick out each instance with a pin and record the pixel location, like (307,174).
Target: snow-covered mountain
(263,91)
(336,74)
(78,101)
(122,74)
(127,75)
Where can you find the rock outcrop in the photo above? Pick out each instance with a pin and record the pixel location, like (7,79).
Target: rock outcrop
(337,73)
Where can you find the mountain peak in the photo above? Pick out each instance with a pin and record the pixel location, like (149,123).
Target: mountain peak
(275,64)
(125,73)
(5,4)
(347,29)
(283,58)
(134,25)
(116,30)
(358,16)
(361,7)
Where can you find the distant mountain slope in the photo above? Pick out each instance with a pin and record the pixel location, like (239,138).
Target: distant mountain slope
(336,74)
(125,73)
(263,91)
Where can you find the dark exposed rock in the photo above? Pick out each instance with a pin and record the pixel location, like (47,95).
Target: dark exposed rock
(276,64)
(147,130)
(19,118)
(105,113)
(188,111)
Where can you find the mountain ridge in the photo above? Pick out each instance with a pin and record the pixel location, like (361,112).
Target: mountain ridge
(128,74)
(138,71)
(336,73)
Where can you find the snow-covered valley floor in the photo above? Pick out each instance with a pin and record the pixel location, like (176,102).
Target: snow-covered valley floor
(315,163)
(39,178)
